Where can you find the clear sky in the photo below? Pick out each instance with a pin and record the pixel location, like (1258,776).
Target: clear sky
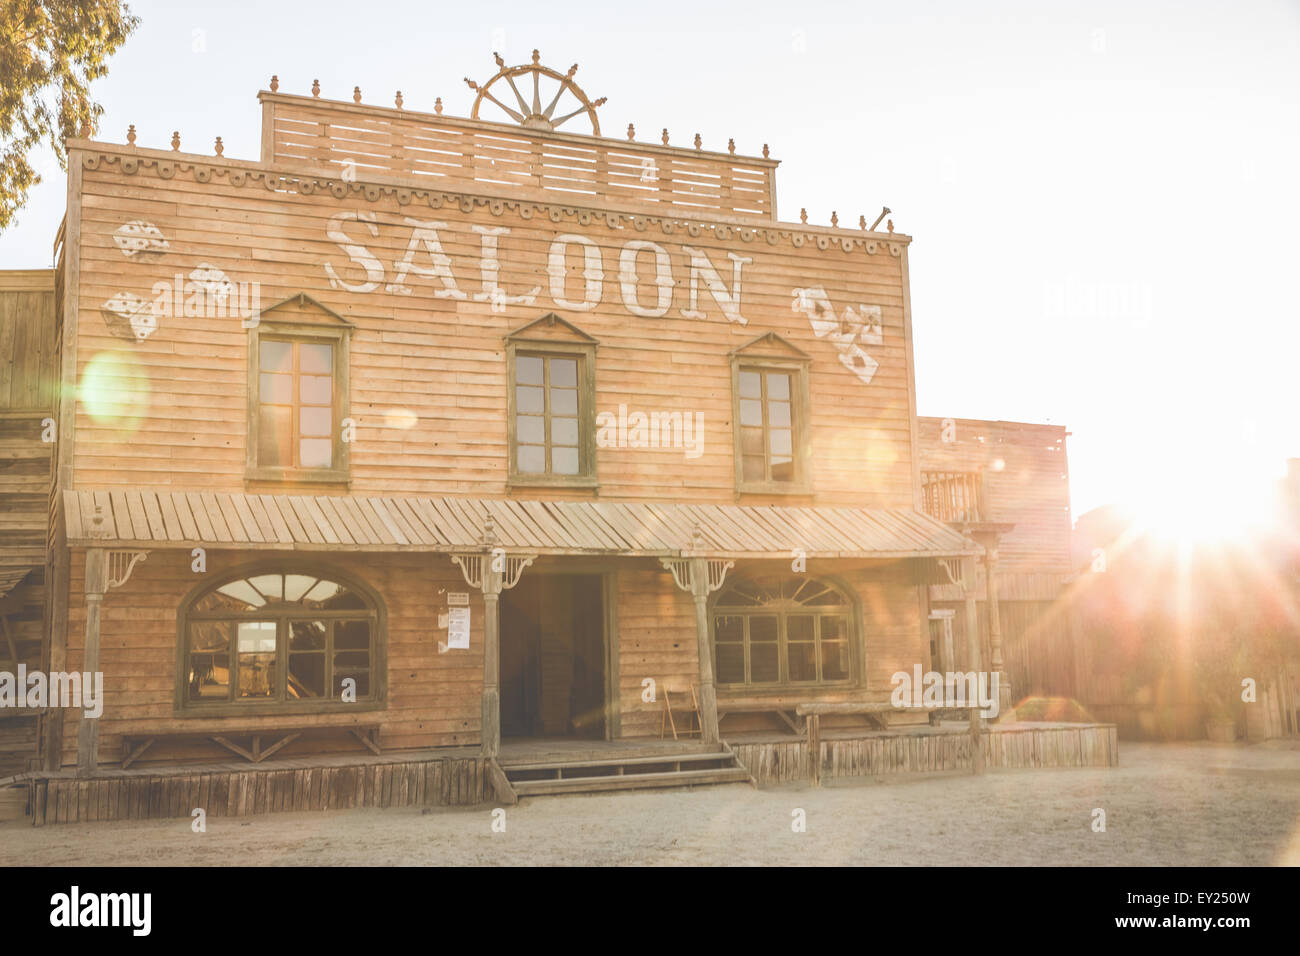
(1104,197)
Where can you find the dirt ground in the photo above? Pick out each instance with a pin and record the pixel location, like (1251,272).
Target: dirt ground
(1175,804)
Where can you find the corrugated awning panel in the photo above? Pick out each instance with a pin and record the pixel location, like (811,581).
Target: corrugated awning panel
(380,523)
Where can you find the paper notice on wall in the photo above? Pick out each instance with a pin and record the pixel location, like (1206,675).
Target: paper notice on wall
(458,628)
(458,598)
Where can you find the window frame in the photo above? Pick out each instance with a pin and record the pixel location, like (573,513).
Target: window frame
(783,609)
(299,333)
(375,612)
(585,355)
(800,405)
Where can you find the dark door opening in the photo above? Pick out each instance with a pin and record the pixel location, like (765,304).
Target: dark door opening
(553,657)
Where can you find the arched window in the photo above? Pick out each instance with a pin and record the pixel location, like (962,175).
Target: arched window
(783,631)
(272,639)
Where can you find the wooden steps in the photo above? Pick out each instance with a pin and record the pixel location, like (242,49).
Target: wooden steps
(688,768)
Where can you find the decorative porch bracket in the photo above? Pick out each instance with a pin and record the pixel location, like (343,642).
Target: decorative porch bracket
(700,577)
(105,569)
(492,573)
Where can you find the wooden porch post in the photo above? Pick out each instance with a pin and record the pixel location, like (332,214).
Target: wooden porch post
(973,660)
(96,585)
(708,696)
(490,734)
(995,629)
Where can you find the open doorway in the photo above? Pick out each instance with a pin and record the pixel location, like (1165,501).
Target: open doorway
(553,657)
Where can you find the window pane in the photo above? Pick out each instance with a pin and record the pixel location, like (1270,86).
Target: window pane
(316,358)
(530,429)
(321,592)
(530,400)
(750,385)
(564,461)
(316,452)
(833,628)
(782,469)
(729,629)
(275,436)
(751,441)
(762,627)
(564,373)
(799,627)
(751,468)
(352,635)
(277,389)
(306,676)
(531,459)
(751,412)
(256,642)
(564,401)
(209,674)
(781,444)
(296,585)
(277,357)
(272,585)
(314,421)
(778,414)
(315,389)
(778,385)
(243,592)
(835,660)
(731,663)
(564,431)
(307,635)
(803,661)
(763,666)
(528,369)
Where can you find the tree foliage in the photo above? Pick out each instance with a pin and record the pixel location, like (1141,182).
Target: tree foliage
(50,53)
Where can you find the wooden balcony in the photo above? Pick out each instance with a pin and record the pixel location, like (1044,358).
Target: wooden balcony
(956,497)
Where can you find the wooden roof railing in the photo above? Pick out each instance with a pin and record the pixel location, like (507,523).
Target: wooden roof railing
(954,497)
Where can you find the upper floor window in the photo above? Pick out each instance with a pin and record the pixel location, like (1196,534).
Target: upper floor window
(298,393)
(550,406)
(769,380)
(280,638)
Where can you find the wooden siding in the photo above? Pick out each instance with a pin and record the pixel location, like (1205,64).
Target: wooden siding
(454,153)
(1031,490)
(429,384)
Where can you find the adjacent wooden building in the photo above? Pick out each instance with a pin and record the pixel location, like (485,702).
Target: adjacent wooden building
(432,436)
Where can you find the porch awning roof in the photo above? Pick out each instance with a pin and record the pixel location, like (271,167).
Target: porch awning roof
(154,519)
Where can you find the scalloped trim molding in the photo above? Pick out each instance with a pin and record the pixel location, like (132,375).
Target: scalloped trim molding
(467,202)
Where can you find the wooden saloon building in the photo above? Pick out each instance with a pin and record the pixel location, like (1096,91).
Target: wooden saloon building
(432,459)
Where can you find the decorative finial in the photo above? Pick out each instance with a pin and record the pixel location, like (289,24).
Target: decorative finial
(536,57)
(398,99)
(631,131)
(765,150)
(803,215)
(97,522)
(437,105)
(665,135)
(697,537)
(220,149)
(601,102)
(500,62)
(315,87)
(489,529)
(862,222)
(835,219)
(176,140)
(731,147)
(275,83)
(130,134)
(698,141)
(572,70)
(356,94)
(889,224)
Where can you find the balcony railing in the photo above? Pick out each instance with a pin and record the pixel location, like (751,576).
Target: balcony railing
(954,496)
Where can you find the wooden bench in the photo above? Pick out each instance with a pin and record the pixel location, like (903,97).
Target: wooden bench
(135,745)
(783,709)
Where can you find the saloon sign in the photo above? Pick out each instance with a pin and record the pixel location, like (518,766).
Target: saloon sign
(637,259)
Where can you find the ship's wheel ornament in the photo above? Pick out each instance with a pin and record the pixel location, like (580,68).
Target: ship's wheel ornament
(545,82)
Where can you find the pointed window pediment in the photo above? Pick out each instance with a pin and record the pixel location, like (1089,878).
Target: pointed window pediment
(552,328)
(771,345)
(305,310)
